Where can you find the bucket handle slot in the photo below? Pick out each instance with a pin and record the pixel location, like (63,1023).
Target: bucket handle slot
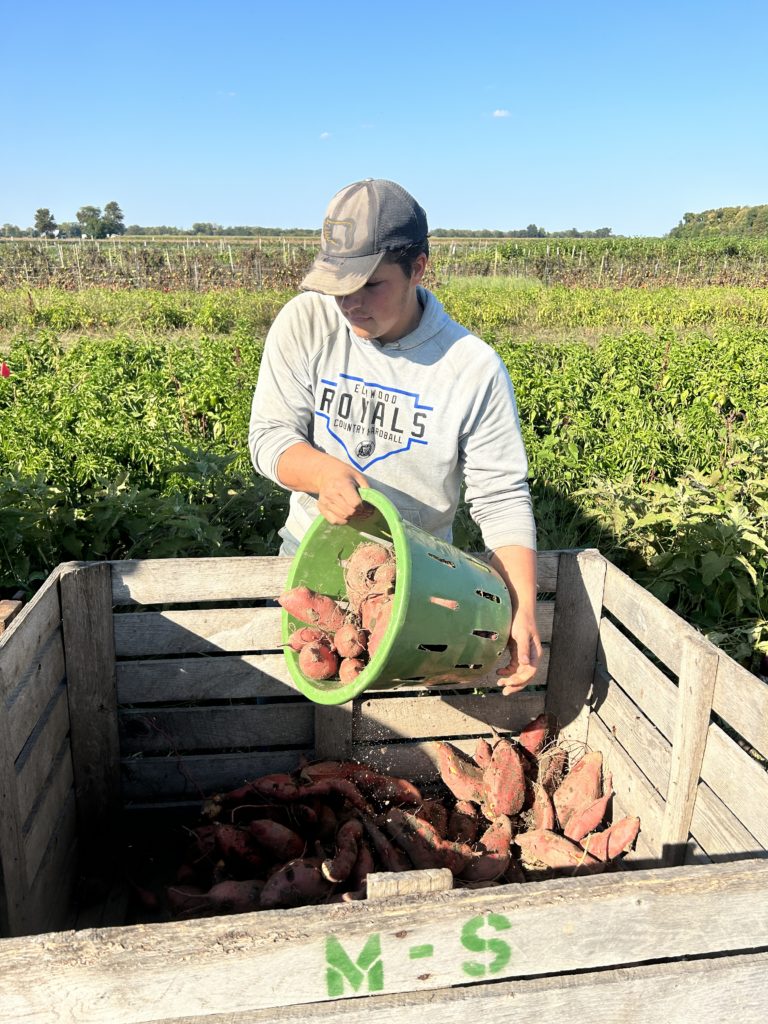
(473,666)
(433,647)
(486,634)
(488,597)
(445,561)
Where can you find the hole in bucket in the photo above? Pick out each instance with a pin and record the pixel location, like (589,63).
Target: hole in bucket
(476,667)
(409,679)
(486,634)
(445,602)
(445,561)
(488,597)
(433,647)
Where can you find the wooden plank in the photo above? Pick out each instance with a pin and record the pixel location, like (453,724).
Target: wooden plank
(383,884)
(176,730)
(44,819)
(334,730)
(42,751)
(86,595)
(151,581)
(225,677)
(547,565)
(676,993)
(197,776)
(739,780)
(9,609)
(653,692)
(718,831)
(148,634)
(574,640)
(741,700)
(34,690)
(635,789)
(204,967)
(696,685)
(49,903)
(13,872)
(28,632)
(383,719)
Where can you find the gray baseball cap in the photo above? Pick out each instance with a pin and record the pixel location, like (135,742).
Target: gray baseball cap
(363,222)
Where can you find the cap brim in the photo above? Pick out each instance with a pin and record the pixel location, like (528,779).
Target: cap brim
(340,275)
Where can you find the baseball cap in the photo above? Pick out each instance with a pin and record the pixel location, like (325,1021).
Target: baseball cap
(364,221)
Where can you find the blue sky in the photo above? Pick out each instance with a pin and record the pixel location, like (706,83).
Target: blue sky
(493,114)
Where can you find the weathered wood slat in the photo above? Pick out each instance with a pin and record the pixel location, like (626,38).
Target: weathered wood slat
(696,685)
(224,677)
(49,903)
(384,884)
(28,632)
(675,993)
(717,831)
(206,967)
(38,685)
(574,640)
(160,730)
(149,634)
(13,871)
(45,818)
(416,761)
(334,730)
(195,580)
(43,750)
(195,776)
(86,595)
(739,780)
(648,687)
(381,720)
(741,699)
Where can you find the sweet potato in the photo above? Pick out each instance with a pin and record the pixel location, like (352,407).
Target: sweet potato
(235,897)
(534,735)
(350,641)
(581,786)
(482,753)
(436,813)
(614,840)
(384,577)
(541,813)
(312,608)
(348,838)
(588,818)
(376,785)
(371,609)
(380,626)
(552,766)
(423,843)
(392,857)
(317,661)
(297,883)
(239,850)
(350,669)
(464,822)
(504,780)
(364,866)
(359,571)
(542,848)
(307,635)
(187,900)
(492,858)
(281,842)
(459,773)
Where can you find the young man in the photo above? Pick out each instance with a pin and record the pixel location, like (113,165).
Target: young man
(365,381)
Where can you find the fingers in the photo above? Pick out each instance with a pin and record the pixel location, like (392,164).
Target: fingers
(339,498)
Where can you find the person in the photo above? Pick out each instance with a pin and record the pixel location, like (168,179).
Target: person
(365,381)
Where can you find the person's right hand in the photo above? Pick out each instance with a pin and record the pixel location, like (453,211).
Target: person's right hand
(339,498)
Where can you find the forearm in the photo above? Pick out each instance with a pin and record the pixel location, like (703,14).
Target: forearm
(517,567)
(303,468)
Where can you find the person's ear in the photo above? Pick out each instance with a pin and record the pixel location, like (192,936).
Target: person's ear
(419,266)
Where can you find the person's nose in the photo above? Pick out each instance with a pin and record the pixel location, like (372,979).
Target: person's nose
(351,302)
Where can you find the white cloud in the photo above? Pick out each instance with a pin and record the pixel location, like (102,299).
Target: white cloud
(325,135)
(501,113)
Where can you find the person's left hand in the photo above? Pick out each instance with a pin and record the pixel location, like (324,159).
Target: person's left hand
(525,652)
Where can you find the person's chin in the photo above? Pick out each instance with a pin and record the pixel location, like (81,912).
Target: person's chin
(363,332)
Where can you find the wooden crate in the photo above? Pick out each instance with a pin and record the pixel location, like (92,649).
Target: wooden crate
(128,686)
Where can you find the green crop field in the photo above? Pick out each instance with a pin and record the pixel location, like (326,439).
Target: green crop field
(123,417)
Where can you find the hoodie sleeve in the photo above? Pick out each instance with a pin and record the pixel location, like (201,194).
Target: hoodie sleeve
(496,464)
(282,411)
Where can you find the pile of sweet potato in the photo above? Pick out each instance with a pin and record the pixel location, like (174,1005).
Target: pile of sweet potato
(340,636)
(513,811)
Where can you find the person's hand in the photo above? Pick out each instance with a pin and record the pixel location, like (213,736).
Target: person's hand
(525,652)
(339,498)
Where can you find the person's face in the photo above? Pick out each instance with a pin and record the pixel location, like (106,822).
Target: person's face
(387,306)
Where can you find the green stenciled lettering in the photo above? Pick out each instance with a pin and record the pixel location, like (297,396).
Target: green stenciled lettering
(471,940)
(341,967)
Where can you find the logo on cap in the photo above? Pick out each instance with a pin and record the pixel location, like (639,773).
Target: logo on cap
(331,227)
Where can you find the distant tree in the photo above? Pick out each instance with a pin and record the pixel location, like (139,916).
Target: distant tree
(70,229)
(113,221)
(45,223)
(11,231)
(89,219)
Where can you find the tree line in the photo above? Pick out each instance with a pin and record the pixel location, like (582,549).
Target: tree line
(725,220)
(90,222)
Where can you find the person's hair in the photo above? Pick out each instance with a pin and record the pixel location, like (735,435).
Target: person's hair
(407,256)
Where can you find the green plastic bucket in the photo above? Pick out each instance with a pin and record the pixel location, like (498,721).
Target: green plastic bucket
(451,615)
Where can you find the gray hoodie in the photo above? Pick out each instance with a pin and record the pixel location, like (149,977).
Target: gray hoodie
(414,416)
